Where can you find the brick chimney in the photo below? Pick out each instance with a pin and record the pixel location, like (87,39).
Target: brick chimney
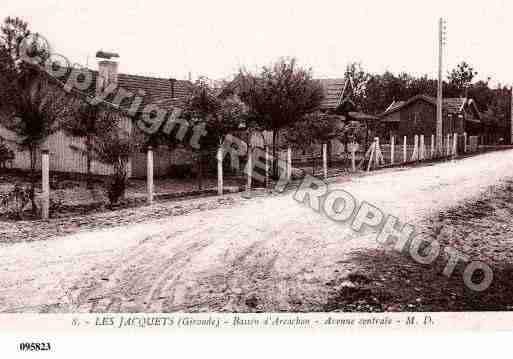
(173,82)
(107,69)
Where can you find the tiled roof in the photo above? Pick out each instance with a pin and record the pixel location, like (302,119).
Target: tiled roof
(333,92)
(362,116)
(164,92)
(451,105)
(394,105)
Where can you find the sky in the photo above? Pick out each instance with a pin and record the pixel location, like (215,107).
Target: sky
(216,38)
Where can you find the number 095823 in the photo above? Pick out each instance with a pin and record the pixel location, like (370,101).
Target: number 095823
(34,347)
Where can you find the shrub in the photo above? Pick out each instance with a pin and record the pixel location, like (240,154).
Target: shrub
(182,171)
(116,187)
(6,154)
(115,149)
(16,200)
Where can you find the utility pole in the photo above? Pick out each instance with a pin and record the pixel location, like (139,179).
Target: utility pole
(439,102)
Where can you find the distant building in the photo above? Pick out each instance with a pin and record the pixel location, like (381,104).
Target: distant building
(338,94)
(417,116)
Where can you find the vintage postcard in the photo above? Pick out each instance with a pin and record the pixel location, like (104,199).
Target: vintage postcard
(254,167)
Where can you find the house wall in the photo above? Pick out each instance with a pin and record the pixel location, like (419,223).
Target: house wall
(63,156)
(417,118)
(472,128)
(64,150)
(163,161)
(393,117)
(420,118)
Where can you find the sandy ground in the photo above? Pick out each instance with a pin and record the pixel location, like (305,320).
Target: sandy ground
(264,254)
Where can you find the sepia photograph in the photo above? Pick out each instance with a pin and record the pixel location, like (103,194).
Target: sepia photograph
(255,165)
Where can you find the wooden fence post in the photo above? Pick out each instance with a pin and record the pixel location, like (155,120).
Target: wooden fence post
(371,157)
(464,142)
(250,168)
(392,149)
(266,166)
(45,174)
(149,174)
(351,147)
(422,151)
(325,160)
(455,145)
(432,146)
(448,145)
(353,159)
(405,149)
(289,164)
(415,154)
(380,160)
(220,170)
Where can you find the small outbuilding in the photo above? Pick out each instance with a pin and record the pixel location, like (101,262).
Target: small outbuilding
(417,115)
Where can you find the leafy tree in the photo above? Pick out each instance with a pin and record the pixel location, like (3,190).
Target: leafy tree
(31,105)
(358,78)
(217,113)
(89,122)
(382,89)
(15,33)
(313,130)
(482,94)
(278,96)
(461,78)
(422,86)
(500,105)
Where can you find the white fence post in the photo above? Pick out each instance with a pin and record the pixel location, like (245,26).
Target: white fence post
(250,168)
(392,149)
(380,160)
(464,142)
(405,149)
(448,145)
(149,174)
(422,154)
(371,157)
(220,170)
(353,157)
(325,160)
(415,154)
(266,166)
(432,146)
(45,174)
(455,145)
(289,164)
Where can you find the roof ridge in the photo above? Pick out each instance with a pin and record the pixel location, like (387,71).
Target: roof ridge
(130,74)
(151,77)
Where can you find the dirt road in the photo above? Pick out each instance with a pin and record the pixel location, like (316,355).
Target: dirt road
(265,254)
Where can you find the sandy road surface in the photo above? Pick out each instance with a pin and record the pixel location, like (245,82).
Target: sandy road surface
(267,254)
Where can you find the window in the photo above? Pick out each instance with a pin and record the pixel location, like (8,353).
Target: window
(415,117)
